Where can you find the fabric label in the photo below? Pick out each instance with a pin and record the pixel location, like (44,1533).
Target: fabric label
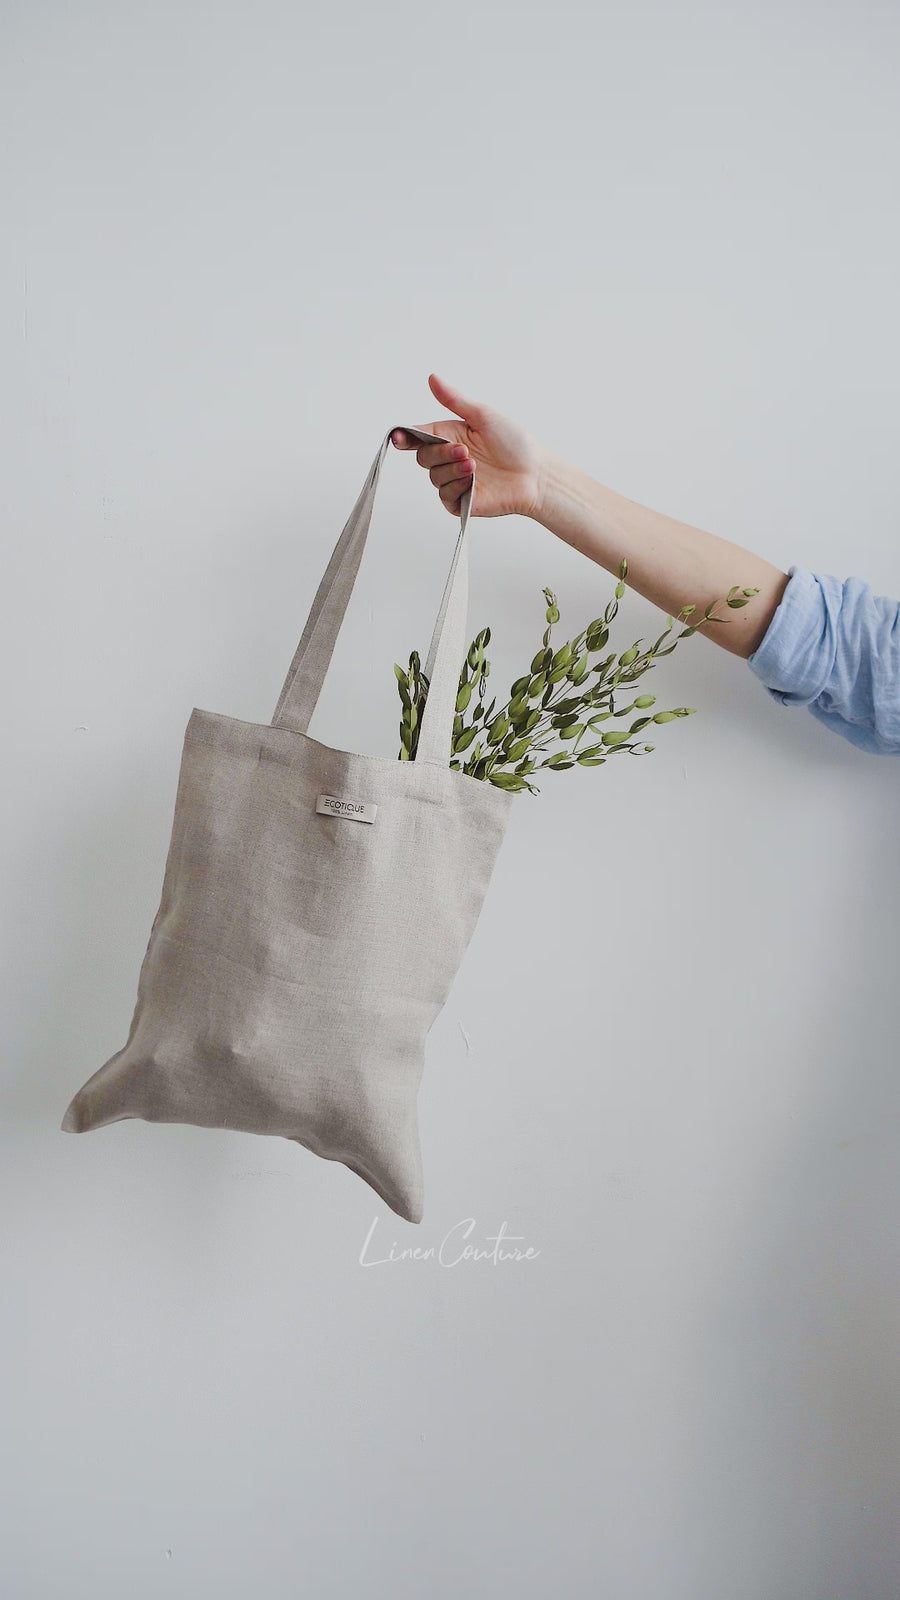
(355,810)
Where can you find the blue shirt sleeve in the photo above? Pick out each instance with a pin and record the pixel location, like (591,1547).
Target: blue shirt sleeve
(834,647)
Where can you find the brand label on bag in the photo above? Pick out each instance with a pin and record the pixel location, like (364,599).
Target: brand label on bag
(356,810)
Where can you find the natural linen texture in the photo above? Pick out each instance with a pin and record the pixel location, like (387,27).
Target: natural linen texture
(304,946)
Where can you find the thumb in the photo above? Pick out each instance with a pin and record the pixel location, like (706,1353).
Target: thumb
(469,410)
(454,399)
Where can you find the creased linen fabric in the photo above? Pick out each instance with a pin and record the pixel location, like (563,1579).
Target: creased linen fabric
(834,646)
(299,958)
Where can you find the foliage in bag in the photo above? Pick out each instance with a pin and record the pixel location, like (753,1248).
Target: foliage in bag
(562,700)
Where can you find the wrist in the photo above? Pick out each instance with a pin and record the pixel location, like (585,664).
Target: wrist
(565,496)
(549,484)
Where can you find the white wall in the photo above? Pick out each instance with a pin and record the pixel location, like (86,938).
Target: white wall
(237,239)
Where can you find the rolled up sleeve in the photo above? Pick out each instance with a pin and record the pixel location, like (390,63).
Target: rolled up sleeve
(834,646)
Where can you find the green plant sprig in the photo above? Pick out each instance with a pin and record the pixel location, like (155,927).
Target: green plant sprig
(552,703)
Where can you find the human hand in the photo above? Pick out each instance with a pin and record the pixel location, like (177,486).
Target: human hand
(509,461)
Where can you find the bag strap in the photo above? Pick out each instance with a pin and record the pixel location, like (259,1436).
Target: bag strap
(306,674)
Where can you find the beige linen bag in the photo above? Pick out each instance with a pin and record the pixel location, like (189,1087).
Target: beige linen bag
(315,907)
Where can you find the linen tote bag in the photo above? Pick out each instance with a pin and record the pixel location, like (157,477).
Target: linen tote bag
(315,907)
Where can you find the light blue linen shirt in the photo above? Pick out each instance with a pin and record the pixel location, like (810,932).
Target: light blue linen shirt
(834,647)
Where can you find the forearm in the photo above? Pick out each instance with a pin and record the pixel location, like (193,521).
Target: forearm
(670,563)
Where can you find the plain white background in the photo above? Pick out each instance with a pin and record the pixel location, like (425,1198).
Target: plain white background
(237,240)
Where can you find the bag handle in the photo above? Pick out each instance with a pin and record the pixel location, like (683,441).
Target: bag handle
(312,657)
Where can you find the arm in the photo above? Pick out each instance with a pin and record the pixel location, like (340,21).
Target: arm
(669,562)
(833,645)
(811,639)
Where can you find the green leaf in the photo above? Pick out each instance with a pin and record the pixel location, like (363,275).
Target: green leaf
(464,739)
(614,738)
(464,696)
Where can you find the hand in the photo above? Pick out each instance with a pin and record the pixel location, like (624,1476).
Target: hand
(509,461)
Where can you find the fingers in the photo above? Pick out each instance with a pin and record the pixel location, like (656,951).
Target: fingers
(458,471)
(430,454)
(451,473)
(448,464)
(451,496)
(442,459)
(404,442)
